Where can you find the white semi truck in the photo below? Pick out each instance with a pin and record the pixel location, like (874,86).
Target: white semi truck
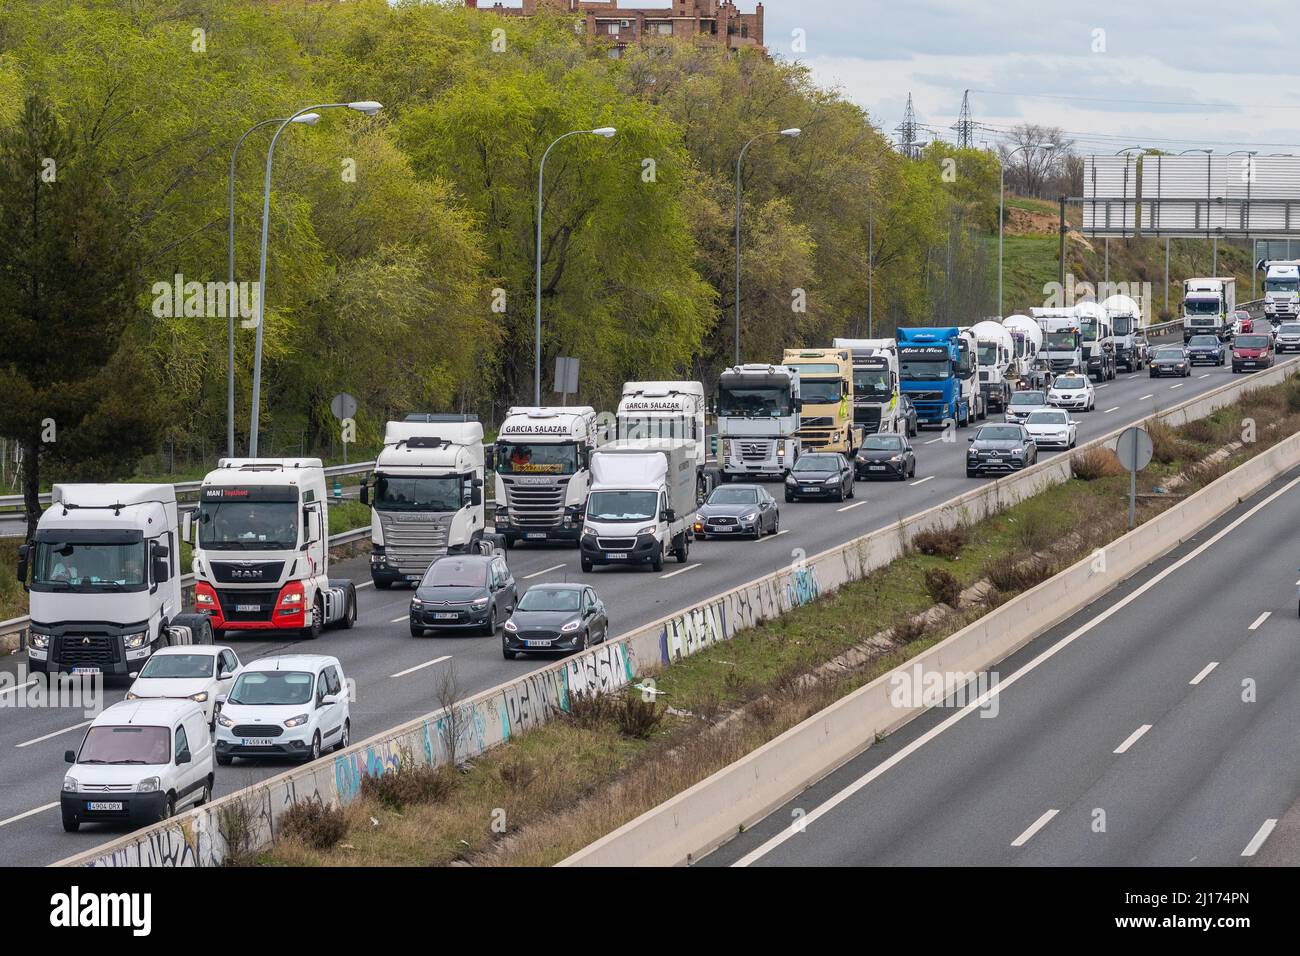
(998,363)
(425,496)
(261,554)
(669,410)
(542,460)
(105,581)
(1027,341)
(1062,348)
(758,420)
(875,384)
(1208,304)
(1281,290)
(1097,337)
(642,503)
(1129,331)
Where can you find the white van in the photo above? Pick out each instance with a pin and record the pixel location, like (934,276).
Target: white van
(139,762)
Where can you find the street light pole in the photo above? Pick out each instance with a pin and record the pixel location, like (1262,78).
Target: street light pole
(1002,188)
(369,108)
(308,119)
(605,131)
(792,131)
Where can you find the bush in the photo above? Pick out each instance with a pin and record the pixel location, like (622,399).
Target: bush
(946,542)
(1204,431)
(942,587)
(1292,391)
(590,710)
(908,629)
(314,824)
(1165,445)
(1094,463)
(517,772)
(409,784)
(1011,573)
(638,718)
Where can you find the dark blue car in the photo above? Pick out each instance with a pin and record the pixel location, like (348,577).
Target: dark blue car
(1206,350)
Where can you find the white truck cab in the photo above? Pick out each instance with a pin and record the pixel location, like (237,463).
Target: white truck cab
(1281,290)
(758,420)
(261,558)
(542,460)
(668,411)
(995,352)
(875,384)
(105,583)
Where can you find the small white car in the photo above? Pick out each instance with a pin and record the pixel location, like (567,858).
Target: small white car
(1052,428)
(293,706)
(196,672)
(139,762)
(1072,391)
(1288,337)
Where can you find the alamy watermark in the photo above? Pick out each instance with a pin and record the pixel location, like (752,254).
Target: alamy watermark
(178,299)
(917,687)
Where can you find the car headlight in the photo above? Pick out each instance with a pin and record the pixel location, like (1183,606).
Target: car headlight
(571,626)
(1017,451)
(225,721)
(69,784)
(293,598)
(749,517)
(297,721)
(148,785)
(134,641)
(132,696)
(791,480)
(650,529)
(833,479)
(416,602)
(480,604)
(201,697)
(511,626)
(895,457)
(39,640)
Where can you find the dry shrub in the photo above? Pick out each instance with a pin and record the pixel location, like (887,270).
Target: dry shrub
(1205,472)
(1033,531)
(238,824)
(638,718)
(1010,573)
(1166,447)
(314,824)
(908,629)
(1094,463)
(1292,392)
(942,587)
(1202,430)
(408,785)
(517,772)
(763,710)
(946,542)
(590,710)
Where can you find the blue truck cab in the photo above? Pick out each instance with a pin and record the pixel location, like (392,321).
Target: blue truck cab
(937,372)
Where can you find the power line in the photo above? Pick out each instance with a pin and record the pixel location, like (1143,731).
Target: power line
(1128,102)
(906,131)
(964,127)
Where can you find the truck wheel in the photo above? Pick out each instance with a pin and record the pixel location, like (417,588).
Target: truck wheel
(682,548)
(658,563)
(350,617)
(312,630)
(382,584)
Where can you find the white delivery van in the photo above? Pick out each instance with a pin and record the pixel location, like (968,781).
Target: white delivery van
(642,503)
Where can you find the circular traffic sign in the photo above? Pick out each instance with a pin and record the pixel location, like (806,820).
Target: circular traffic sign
(343,406)
(1134,448)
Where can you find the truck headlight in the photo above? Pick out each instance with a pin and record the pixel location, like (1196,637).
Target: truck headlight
(37,639)
(780,449)
(69,784)
(647,530)
(297,721)
(148,785)
(135,641)
(293,597)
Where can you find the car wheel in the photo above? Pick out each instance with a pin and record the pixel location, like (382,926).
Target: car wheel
(658,561)
(417,631)
(168,808)
(224,760)
(776,523)
(788,497)
(852,488)
(682,550)
(839,492)
(206,795)
(70,822)
(583,643)
(971,474)
(586,565)
(314,754)
(506,652)
(346,737)
(382,584)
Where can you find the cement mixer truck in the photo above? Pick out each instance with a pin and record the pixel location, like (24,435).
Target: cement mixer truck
(1128,331)
(995,353)
(1027,340)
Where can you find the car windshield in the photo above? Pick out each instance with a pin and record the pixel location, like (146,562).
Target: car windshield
(523,459)
(622,505)
(401,493)
(886,442)
(550,599)
(817,463)
(1206,340)
(1252,341)
(733,496)
(132,744)
(272,688)
(74,566)
(162,666)
(1172,355)
(998,433)
(1047,418)
(1028,398)
(1067,381)
(456,573)
(1288,328)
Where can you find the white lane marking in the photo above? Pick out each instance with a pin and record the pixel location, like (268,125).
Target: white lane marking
(1109,410)
(1205,672)
(832,802)
(856,504)
(29,813)
(1179,385)
(399,620)
(65,730)
(1034,827)
(538,574)
(1143,398)
(1259,620)
(1206,375)
(365,584)
(933,440)
(673,574)
(921,481)
(1132,739)
(777,535)
(15,689)
(419,667)
(1103,384)
(1258,839)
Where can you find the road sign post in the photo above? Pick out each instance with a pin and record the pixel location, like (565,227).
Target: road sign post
(566,377)
(344,407)
(1133,448)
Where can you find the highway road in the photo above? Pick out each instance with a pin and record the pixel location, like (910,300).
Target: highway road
(395,675)
(1156,727)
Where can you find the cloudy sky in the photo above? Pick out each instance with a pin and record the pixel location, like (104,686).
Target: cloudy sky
(1111,73)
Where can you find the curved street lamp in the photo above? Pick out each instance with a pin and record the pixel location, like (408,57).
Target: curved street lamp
(1002,187)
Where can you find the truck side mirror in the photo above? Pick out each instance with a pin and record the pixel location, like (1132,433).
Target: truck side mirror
(670,515)
(365,491)
(796,404)
(186,526)
(161,566)
(313,525)
(23,552)
(476,493)
(490,458)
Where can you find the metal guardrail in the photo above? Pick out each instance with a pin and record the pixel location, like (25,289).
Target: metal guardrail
(191,487)
(19,625)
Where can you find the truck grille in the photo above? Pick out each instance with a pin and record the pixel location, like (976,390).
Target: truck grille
(412,545)
(256,730)
(231,599)
(755,450)
(79,650)
(236,572)
(1058,365)
(535,506)
(820,421)
(867,416)
(616,544)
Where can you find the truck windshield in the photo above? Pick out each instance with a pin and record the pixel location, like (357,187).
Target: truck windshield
(1123,326)
(248,525)
(821,391)
(1061,341)
(71,566)
(930,370)
(132,744)
(622,506)
(1088,329)
(537,459)
(1281,285)
(630,426)
(988,353)
(738,401)
(1201,307)
(418,493)
(872,383)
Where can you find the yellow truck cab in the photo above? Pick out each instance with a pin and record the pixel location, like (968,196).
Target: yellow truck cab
(826,387)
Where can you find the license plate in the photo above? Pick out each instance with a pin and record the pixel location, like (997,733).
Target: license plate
(536,534)
(248,607)
(875,467)
(103,805)
(255,741)
(85,670)
(537,643)
(806,489)
(616,556)
(446,616)
(412,577)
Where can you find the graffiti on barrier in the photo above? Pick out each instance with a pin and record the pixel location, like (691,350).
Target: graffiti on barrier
(376,760)
(605,669)
(529,702)
(691,632)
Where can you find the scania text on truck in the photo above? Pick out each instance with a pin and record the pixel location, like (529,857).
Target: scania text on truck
(938,374)
(261,554)
(542,460)
(826,387)
(425,496)
(669,410)
(642,503)
(1062,347)
(875,384)
(1281,289)
(995,351)
(758,420)
(105,582)
(1097,340)
(1128,331)
(1208,304)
